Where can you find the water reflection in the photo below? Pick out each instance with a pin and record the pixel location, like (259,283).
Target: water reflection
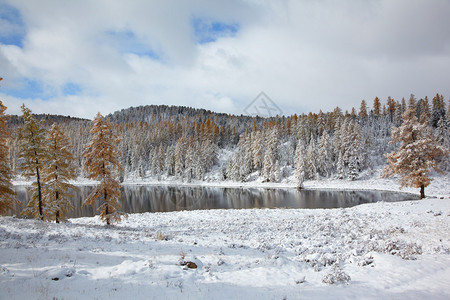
(139,199)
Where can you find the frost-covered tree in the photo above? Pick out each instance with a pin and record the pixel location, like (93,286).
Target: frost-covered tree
(340,167)
(352,170)
(324,157)
(102,165)
(376,107)
(416,154)
(169,161)
(245,153)
(276,172)
(321,123)
(268,165)
(180,156)
(443,139)
(300,164)
(189,163)
(57,172)
(257,150)
(424,111)
(271,156)
(363,110)
(391,108)
(6,191)
(438,110)
(311,160)
(33,156)
(206,155)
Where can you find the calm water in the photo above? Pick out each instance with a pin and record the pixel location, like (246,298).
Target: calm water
(138,199)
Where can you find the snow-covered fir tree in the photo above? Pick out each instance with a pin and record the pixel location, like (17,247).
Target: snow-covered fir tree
(311,161)
(300,164)
(324,157)
(340,167)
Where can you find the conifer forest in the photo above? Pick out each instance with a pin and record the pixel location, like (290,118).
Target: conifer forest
(195,144)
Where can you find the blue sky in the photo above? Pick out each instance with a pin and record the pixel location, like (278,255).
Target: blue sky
(13,31)
(80,57)
(208,31)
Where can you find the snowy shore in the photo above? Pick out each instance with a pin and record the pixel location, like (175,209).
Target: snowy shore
(371,251)
(439,187)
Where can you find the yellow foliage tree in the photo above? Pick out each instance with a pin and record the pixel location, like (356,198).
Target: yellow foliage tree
(376,107)
(102,165)
(416,155)
(33,155)
(57,172)
(6,191)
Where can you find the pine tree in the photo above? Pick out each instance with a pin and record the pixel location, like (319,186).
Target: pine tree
(57,172)
(340,167)
(352,170)
(391,108)
(398,113)
(311,161)
(276,171)
(443,138)
(424,111)
(257,150)
(268,165)
(169,161)
(324,158)
(6,191)
(438,110)
(363,110)
(416,155)
(180,156)
(300,164)
(102,165)
(33,155)
(403,105)
(376,107)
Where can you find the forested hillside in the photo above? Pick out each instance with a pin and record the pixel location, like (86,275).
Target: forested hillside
(187,143)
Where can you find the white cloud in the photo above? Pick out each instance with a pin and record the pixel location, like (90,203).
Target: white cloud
(305,55)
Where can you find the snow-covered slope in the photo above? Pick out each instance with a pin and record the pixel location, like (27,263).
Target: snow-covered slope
(372,251)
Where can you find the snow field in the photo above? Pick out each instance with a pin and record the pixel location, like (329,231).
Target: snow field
(391,250)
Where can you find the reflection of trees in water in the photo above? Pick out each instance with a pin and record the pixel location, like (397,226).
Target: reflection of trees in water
(139,199)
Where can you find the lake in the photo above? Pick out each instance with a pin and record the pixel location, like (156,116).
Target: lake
(139,199)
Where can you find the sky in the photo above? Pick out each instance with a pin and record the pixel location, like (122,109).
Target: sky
(81,57)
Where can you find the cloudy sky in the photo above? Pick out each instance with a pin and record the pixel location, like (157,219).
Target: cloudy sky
(80,57)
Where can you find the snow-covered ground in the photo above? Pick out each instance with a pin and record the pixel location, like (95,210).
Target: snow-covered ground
(371,251)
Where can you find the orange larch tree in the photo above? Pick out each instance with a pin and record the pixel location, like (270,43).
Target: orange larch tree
(6,191)
(57,172)
(416,155)
(102,165)
(33,155)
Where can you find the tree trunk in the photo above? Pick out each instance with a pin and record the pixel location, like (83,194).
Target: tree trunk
(107,211)
(422,191)
(38,179)
(57,212)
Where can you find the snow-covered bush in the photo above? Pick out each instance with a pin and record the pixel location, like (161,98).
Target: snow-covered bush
(403,249)
(336,276)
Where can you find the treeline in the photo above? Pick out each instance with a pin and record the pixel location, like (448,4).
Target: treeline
(186,143)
